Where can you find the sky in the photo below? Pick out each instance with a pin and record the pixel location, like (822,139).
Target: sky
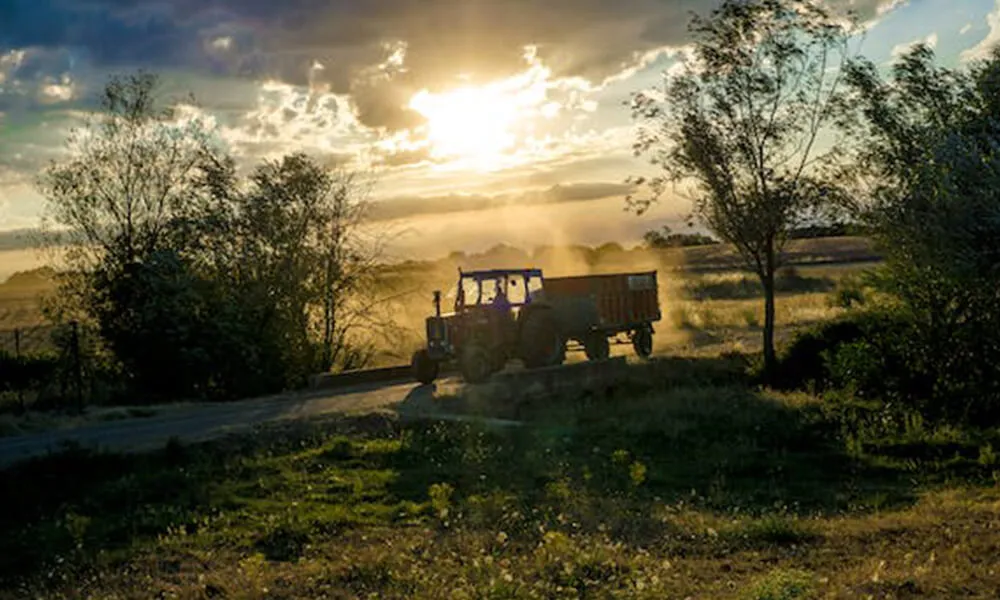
(486,121)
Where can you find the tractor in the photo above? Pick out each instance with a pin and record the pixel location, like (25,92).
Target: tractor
(505,314)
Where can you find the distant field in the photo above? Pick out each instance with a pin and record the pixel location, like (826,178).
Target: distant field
(13,261)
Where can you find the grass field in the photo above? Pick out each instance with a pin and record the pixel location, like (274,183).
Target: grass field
(688,483)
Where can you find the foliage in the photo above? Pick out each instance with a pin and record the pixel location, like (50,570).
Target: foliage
(835,229)
(739,126)
(850,291)
(929,176)
(666,238)
(202,283)
(782,584)
(804,364)
(26,372)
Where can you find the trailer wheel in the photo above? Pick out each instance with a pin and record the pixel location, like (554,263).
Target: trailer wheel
(597,346)
(475,364)
(642,342)
(541,345)
(425,369)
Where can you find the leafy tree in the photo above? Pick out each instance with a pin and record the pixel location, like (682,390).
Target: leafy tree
(133,170)
(132,174)
(201,282)
(306,247)
(740,126)
(927,167)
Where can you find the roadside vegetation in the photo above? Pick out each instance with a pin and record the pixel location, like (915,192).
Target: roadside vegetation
(688,481)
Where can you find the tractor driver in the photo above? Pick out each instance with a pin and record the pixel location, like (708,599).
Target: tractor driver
(500,301)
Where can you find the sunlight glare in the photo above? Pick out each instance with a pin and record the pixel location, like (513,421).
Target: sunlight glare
(479,124)
(471,123)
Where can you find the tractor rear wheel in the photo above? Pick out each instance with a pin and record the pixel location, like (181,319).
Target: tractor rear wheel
(475,363)
(425,369)
(597,346)
(642,342)
(541,345)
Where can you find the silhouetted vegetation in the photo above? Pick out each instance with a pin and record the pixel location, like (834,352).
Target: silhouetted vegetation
(664,237)
(198,282)
(859,460)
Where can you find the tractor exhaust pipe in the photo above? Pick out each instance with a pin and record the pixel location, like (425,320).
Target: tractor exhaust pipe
(437,303)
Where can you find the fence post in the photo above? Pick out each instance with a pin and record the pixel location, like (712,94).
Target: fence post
(17,357)
(77,366)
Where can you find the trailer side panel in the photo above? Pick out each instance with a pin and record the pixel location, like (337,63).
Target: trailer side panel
(623,300)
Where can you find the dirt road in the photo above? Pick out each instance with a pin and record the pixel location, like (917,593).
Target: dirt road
(203,422)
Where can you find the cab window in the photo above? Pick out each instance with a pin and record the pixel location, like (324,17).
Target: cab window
(515,289)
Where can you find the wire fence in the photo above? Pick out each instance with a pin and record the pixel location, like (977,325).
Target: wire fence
(37,339)
(44,366)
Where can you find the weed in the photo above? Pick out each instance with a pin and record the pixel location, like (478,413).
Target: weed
(782,584)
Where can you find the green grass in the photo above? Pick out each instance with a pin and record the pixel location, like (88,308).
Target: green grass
(686,481)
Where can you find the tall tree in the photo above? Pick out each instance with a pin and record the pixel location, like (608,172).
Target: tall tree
(739,127)
(927,167)
(131,174)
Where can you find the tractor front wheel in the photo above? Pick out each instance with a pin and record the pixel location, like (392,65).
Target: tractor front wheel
(475,364)
(425,369)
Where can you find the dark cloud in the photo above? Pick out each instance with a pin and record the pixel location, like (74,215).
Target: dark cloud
(588,38)
(396,208)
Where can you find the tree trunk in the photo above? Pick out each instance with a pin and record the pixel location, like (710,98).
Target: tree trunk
(767,280)
(328,324)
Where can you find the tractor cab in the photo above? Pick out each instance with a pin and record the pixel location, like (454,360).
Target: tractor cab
(504,289)
(487,327)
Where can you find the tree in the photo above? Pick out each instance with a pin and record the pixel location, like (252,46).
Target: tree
(133,170)
(132,174)
(740,125)
(204,283)
(296,241)
(927,169)
(664,237)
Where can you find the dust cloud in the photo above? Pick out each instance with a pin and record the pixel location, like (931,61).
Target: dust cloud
(557,239)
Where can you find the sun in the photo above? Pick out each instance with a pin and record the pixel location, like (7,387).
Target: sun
(473,124)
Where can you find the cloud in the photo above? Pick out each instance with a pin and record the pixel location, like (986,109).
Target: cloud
(378,53)
(992,39)
(931,41)
(407,207)
(965,29)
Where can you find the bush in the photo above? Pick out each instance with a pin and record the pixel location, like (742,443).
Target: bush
(848,293)
(891,357)
(849,343)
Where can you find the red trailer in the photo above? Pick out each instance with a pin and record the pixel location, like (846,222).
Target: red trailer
(593,308)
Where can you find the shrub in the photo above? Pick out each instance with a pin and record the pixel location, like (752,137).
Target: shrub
(21,373)
(848,293)
(837,352)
